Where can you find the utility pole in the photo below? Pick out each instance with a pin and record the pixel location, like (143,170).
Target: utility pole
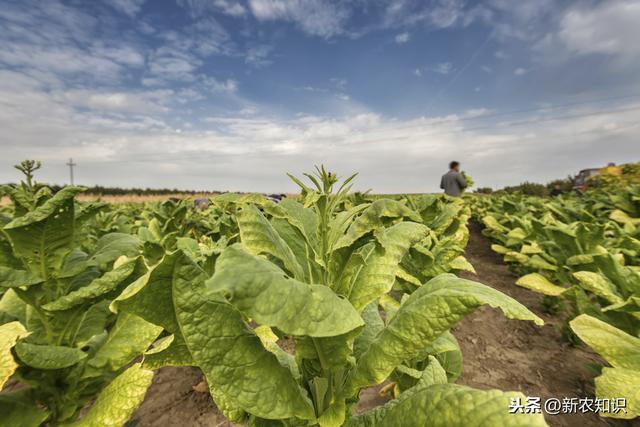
(71,165)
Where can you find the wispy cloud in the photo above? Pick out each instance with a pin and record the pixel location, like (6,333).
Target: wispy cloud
(315,17)
(128,7)
(402,38)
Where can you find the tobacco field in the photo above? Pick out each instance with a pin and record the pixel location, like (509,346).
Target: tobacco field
(294,311)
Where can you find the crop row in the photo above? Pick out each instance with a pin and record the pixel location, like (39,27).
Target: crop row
(583,253)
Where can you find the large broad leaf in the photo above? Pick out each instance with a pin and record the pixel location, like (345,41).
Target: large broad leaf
(114,245)
(98,287)
(451,405)
(430,311)
(599,285)
(618,348)
(371,272)
(42,237)
(434,402)
(118,400)
(9,334)
(262,291)
(48,356)
(130,337)
(241,373)
(619,383)
(259,237)
(150,296)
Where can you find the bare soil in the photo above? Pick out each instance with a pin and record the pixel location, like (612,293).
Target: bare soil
(515,355)
(498,353)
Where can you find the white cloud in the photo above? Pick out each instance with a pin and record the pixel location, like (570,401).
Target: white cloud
(613,27)
(218,86)
(520,71)
(435,14)
(120,138)
(442,68)
(258,56)
(200,8)
(228,7)
(500,54)
(402,38)
(126,102)
(128,7)
(315,17)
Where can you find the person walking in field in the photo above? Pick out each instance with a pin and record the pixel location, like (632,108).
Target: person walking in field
(453,182)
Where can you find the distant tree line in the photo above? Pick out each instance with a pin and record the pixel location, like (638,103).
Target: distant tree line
(118,191)
(628,173)
(532,188)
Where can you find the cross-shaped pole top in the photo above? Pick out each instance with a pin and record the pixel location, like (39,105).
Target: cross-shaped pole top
(71,165)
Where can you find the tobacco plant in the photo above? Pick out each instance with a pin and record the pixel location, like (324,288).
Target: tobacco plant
(60,346)
(286,324)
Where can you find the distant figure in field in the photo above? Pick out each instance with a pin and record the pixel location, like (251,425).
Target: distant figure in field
(557,190)
(453,182)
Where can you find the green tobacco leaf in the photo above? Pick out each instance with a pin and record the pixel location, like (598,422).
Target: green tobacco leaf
(241,373)
(150,296)
(364,283)
(9,334)
(452,405)
(173,351)
(373,324)
(11,278)
(92,322)
(262,291)
(48,356)
(114,245)
(537,262)
(447,351)
(599,285)
(19,409)
(116,403)
(98,287)
(500,249)
(461,263)
(42,237)
(616,383)
(259,237)
(372,218)
(430,311)
(618,348)
(270,342)
(538,283)
(13,306)
(130,337)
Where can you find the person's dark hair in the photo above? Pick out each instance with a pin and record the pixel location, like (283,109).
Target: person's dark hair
(454,164)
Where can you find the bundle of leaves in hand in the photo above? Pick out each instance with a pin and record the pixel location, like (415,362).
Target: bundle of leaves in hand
(58,339)
(314,276)
(470,182)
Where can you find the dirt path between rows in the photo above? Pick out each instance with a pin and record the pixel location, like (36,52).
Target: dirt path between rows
(498,353)
(516,355)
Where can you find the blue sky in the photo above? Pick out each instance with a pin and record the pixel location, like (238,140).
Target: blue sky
(231,94)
